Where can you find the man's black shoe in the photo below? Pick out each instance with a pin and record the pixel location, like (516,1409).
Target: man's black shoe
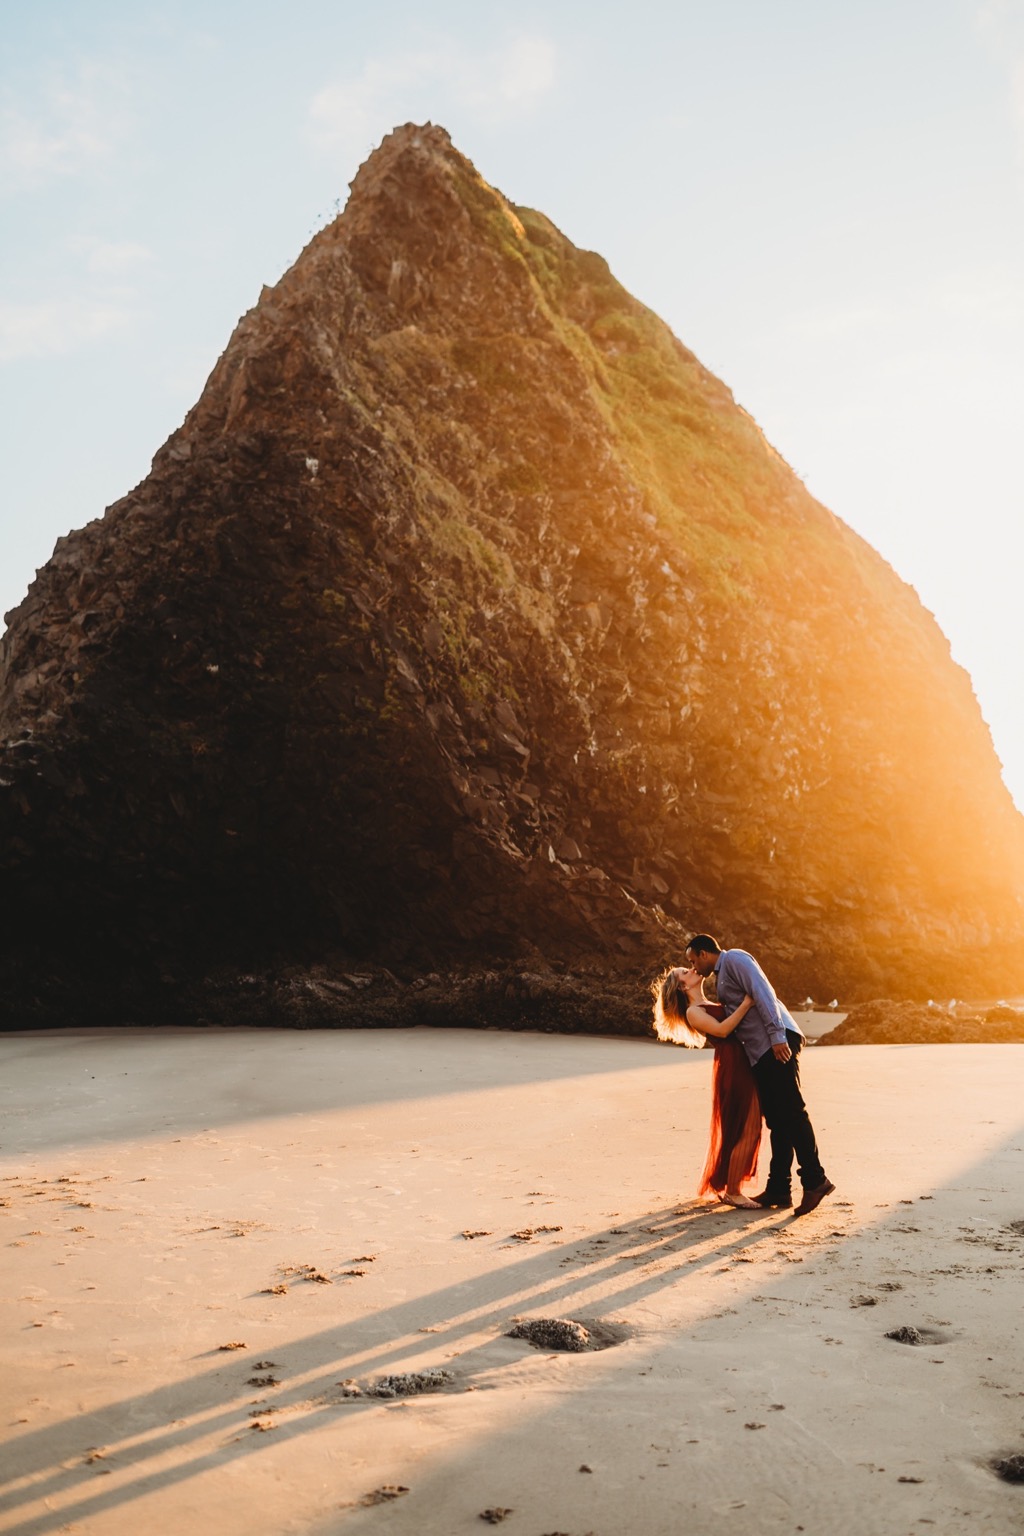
(772,1202)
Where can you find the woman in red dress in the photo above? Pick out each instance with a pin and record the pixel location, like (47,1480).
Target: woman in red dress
(682,1013)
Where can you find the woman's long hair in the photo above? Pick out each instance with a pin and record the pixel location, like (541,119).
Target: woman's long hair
(670,1011)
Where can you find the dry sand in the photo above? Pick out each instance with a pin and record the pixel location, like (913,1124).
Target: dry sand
(160,1191)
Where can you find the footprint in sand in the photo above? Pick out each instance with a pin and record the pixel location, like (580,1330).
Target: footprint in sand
(384,1495)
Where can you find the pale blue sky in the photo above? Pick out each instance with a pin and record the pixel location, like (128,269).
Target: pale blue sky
(824,199)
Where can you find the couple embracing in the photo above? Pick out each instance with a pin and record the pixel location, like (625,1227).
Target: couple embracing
(757,1073)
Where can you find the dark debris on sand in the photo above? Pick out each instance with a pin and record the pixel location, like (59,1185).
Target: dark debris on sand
(573,1335)
(553,1333)
(906,1335)
(410,1383)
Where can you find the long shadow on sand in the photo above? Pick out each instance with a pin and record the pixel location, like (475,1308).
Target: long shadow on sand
(689,1237)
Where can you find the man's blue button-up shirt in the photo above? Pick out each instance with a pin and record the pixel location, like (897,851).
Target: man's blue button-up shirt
(738,975)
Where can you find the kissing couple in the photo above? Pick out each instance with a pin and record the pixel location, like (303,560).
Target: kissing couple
(756,1073)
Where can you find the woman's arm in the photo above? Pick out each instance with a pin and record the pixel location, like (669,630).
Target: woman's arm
(699,1018)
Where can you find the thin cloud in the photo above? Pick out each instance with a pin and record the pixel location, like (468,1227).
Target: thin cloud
(977,298)
(989,296)
(56,326)
(1017,87)
(1002,23)
(836,323)
(999,13)
(112,258)
(525,72)
(351,113)
(68,126)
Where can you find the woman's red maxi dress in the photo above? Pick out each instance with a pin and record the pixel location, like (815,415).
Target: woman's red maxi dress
(735,1117)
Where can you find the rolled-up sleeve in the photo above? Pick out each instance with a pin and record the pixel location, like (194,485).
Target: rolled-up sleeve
(750,978)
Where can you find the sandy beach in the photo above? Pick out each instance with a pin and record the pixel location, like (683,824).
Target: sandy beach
(253,1228)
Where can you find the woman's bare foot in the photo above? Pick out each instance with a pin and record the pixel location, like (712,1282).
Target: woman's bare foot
(740,1201)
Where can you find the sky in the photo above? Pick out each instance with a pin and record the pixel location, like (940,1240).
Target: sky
(825,201)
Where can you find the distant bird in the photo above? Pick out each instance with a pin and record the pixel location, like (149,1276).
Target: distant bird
(951,1005)
(807,1004)
(834,1004)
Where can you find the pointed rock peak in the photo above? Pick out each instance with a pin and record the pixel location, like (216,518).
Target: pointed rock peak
(413,167)
(405,150)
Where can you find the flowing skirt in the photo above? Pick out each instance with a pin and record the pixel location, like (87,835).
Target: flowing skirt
(735,1121)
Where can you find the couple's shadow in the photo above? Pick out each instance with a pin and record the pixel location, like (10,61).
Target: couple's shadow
(601,1275)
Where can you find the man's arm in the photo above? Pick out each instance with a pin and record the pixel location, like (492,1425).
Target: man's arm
(752,979)
(720,1029)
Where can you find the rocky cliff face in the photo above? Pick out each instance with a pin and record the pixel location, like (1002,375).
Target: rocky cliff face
(468,622)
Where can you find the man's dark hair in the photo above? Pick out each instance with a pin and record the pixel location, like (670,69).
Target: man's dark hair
(704,944)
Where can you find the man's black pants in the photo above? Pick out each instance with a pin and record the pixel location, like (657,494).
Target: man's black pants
(784,1110)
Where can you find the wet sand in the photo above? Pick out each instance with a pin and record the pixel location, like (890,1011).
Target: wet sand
(216,1244)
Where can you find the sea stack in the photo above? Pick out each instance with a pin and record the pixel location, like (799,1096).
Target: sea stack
(468,626)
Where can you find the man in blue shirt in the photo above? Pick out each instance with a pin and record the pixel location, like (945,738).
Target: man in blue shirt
(771,1039)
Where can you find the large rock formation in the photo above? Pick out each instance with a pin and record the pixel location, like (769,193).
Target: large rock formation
(468,622)
(885,1023)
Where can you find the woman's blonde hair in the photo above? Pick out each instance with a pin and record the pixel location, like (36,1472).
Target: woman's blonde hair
(669,1018)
